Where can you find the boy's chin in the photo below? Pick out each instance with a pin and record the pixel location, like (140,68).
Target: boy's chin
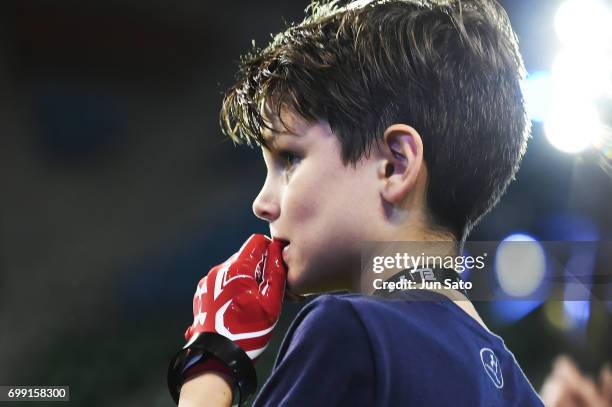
(295,286)
(299,286)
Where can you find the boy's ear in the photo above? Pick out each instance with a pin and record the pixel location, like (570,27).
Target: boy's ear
(402,159)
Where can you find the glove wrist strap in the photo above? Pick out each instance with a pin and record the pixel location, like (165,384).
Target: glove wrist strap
(202,348)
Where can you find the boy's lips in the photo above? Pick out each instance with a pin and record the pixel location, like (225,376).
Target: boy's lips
(288,294)
(285,244)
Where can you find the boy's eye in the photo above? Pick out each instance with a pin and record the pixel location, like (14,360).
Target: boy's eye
(288,159)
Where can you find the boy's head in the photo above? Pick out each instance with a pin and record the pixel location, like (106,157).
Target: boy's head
(380,120)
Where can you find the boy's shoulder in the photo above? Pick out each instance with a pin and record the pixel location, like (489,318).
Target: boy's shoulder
(421,320)
(403,339)
(416,309)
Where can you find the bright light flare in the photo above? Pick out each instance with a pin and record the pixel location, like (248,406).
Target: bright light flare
(520,264)
(573,127)
(538,92)
(581,73)
(584,23)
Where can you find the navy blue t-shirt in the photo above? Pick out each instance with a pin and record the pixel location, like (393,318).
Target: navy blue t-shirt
(357,350)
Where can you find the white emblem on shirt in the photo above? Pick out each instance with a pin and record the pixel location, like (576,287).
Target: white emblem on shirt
(492,367)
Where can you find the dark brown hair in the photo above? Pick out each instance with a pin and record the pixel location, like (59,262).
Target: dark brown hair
(451,69)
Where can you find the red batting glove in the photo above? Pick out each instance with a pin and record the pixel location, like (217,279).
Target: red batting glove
(241,298)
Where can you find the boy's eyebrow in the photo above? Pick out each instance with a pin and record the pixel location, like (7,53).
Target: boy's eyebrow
(269,137)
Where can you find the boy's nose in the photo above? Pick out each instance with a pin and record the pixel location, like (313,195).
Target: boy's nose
(265,207)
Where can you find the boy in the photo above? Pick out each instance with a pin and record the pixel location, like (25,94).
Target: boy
(379,121)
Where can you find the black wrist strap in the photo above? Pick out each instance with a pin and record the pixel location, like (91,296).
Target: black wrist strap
(421,275)
(208,344)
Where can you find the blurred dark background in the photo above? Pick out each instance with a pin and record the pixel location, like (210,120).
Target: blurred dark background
(118,191)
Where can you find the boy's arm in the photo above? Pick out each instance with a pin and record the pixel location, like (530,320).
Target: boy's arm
(208,389)
(235,309)
(325,358)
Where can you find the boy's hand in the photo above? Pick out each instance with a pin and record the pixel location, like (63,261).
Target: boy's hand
(241,298)
(567,386)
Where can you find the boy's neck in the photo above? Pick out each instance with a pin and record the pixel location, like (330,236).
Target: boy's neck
(409,249)
(429,243)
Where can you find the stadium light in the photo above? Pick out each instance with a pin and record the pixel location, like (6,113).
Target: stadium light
(572,126)
(580,74)
(583,23)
